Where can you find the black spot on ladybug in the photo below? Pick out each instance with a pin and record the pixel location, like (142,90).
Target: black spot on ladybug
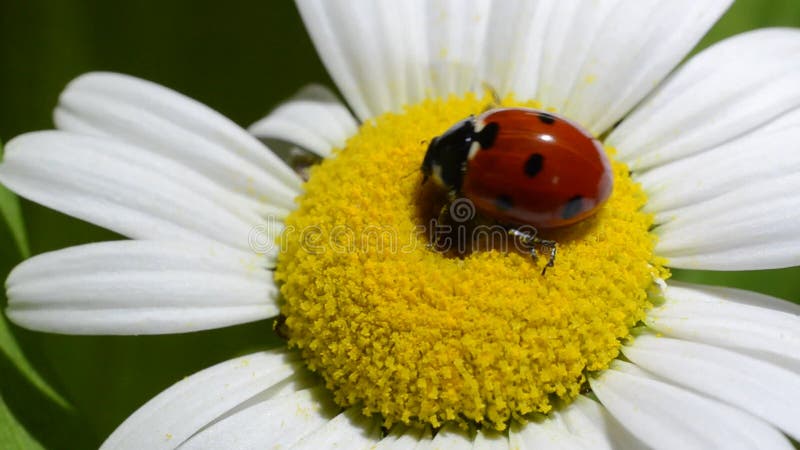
(488,134)
(534,165)
(503,202)
(572,208)
(548,119)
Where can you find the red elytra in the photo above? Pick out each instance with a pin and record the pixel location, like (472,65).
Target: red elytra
(540,169)
(522,166)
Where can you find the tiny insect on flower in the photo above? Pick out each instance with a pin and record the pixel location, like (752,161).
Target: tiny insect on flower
(522,166)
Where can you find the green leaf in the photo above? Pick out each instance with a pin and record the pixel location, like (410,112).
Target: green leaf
(12,350)
(9,208)
(13,434)
(746,15)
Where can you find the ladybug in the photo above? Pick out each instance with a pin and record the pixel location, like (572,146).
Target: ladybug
(522,167)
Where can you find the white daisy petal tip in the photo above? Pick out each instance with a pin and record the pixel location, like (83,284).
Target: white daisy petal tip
(739,163)
(756,324)
(194,403)
(728,90)
(584,423)
(160,120)
(126,189)
(348,430)
(140,287)
(757,387)
(750,227)
(490,440)
(665,416)
(281,421)
(442,48)
(634,49)
(452,438)
(401,437)
(377,74)
(313,119)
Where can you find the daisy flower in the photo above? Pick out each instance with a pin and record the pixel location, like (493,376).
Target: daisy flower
(391,344)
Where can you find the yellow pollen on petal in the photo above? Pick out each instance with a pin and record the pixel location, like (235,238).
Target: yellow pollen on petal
(400,330)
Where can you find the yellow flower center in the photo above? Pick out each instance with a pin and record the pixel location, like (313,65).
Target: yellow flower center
(421,337)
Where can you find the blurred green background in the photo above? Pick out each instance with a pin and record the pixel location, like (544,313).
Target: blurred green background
(239,57)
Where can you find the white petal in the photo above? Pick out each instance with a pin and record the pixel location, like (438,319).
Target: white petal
(515,39)
(424,442)
(384,55)
(279,422)
(731,318)
(637,45)
(132,192)
(739,296)
(550,433)
(490,440)
(664,416)
(764,154)
(456,32)
(571,30)
(381,53)
(139,287)
(170,418)
(760,388)
(374,51)
(313,119)
(751,227)
(168,123)
(598,429)
(728,90)
(584,424)
(402,437)
(451,437)
(348,430)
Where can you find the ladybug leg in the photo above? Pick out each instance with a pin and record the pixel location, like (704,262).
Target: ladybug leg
(444,213)
(528,238)
(552,246)
(531,239)
(444,219)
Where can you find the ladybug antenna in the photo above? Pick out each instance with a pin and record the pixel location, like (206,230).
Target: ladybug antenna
(489,89)
(412,173)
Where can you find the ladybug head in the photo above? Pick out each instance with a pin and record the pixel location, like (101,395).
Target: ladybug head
(446,158)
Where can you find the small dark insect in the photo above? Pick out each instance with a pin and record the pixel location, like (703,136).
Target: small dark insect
(280,328)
